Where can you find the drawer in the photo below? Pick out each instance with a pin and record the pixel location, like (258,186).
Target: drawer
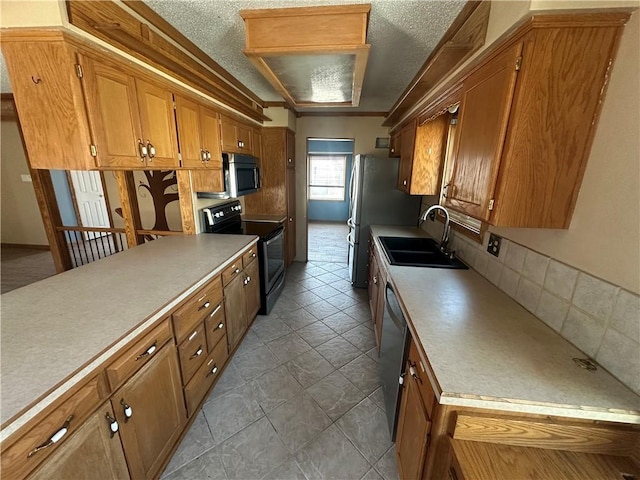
(30,449)
(232,271)
(249,256)
(216,326)
(188,316)
(136,356)
(424,385)
(206,375)
(192,352)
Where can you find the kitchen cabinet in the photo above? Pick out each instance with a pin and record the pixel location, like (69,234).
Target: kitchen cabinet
(395,144)
(241,297)
(94,451)
(414,420)
(277,195)
(252,289)
(376,285)
(527,118)
(199,132)
(257,142)
(236,137)
(132,120)
(151,412)
(422,156)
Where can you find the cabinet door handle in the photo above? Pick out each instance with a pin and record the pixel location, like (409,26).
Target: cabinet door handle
(197,353)
(203,306)
(126,409)
(152,149)
(212,314)
(148,351)
(208,155)
(375,279)
(142,150)
(192,336)
(237,270)
(113,424)
(203,155)
(214,370)
(57,436)
(412,372)
(220,325)
(404,182)
(245,281)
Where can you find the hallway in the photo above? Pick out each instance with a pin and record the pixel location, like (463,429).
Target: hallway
(328,242)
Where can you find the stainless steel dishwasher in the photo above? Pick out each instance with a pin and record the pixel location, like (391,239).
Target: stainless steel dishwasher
(393,350)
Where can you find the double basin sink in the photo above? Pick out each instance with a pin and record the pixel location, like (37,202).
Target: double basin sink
(418,252)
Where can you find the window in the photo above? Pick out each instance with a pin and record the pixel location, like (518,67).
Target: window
(327,177)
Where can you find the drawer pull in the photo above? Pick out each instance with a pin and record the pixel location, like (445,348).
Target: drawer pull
(148,351)
(127,410)
(213,371)
(54,438)
(237,270)
(412,372)
(206,305)
(212,314)
(197,353)
(202,298)
(192,336)
(220,325)
(113,424)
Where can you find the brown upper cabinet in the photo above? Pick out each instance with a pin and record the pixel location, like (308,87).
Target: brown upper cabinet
(199,133)
(131,120)
(236,137)
(396,144)
(527,118)
(422,156)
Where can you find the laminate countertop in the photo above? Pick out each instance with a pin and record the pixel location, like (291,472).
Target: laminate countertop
(57,331)
(487,351)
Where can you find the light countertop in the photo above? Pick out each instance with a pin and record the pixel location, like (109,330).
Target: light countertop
(487,351)
(56,331)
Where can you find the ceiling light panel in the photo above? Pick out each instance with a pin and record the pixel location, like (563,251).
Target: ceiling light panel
(313,56)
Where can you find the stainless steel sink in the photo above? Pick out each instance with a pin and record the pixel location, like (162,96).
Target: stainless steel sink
(418,252)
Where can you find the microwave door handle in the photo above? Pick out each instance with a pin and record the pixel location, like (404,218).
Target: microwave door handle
(256,177)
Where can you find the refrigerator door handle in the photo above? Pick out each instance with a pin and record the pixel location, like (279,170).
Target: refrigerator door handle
(350,223)
(353,168)
(349,240)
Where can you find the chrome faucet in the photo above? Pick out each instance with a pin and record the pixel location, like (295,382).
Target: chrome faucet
(445,234)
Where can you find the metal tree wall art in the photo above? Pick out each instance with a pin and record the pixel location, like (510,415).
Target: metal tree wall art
(158,182)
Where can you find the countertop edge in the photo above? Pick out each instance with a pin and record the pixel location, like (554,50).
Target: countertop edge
(88,369)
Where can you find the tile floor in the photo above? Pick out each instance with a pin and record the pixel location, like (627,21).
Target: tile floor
(300,399)
(328,242)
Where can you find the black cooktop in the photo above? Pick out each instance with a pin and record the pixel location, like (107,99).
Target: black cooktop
(264,230)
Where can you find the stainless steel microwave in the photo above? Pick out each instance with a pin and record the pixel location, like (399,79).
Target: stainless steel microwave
(241,176)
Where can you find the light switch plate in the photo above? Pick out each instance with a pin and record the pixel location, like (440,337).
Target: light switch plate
(494,244)
(26,178)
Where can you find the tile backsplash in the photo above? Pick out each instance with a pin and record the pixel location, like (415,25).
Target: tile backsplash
(599,318)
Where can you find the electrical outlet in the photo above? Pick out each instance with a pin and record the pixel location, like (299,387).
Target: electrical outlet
(494,244)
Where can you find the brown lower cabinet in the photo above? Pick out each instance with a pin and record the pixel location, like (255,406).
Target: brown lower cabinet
(94,451)
(151,412)
(241,298)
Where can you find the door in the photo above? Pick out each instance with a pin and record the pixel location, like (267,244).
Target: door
(151,413)
(484,114)
(91,201)
(188,118)
(158,125)
(235,310)
(94,451)
(112,108)
(291,215)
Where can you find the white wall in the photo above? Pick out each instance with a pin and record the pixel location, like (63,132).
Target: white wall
(363,130)
(21,219)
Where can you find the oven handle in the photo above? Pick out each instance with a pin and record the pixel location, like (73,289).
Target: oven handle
(276,236)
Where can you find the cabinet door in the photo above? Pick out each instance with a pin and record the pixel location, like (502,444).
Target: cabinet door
(395,145)
(291,216)
(94,451)
(406,157)
(228,134)
(157,413)
(252,290)
(291,150)
(235,310)
(484,114)
(112,108)
(413,428)
(428,156)
(191,143)
(158,125)
(52,112)
(257,143)
(245,138)
(210,121)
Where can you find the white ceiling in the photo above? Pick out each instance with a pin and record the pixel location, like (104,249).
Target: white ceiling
(402,34)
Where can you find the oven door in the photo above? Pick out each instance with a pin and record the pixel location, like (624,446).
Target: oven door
(273,258)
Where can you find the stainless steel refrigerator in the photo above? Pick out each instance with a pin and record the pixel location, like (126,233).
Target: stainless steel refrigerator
(375,200)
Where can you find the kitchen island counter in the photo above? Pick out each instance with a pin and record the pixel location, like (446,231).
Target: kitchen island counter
(57,331)
(487,351)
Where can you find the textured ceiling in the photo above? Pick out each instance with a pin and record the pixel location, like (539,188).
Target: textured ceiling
(402,34)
